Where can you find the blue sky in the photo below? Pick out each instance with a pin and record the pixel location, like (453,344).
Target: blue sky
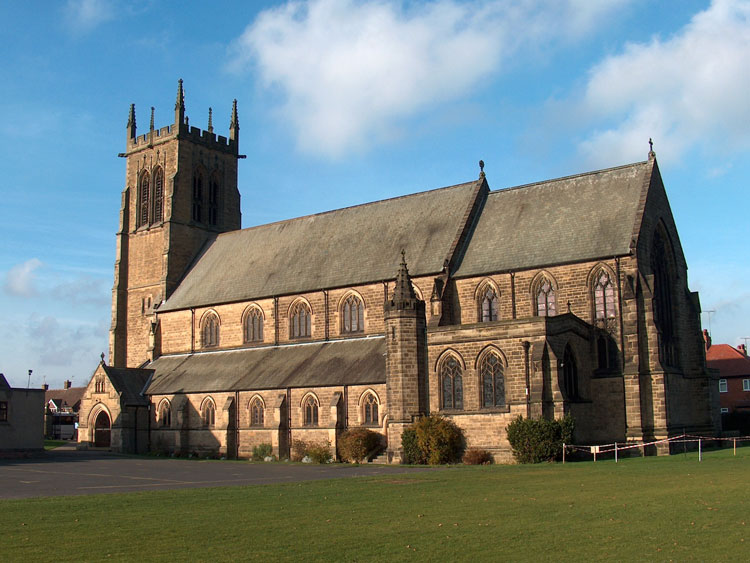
(345,102)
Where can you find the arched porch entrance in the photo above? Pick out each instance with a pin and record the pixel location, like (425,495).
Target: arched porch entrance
(102,430)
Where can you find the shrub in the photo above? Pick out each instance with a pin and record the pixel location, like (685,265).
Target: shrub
(534,440)
(357,444)
(299,450)
(261,451)
(435,440)
(475,456)
(319,453)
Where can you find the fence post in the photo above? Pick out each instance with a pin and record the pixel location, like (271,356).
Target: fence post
(615,452)
(700,451)
(734,441)
(563,453)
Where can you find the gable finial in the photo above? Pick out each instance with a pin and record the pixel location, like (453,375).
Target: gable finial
(481,168)
(179,105)
(210,121)
(102,356)
(651,153)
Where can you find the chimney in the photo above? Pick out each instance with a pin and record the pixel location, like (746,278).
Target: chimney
(742,348)
(67,384)
(706,339)
(45,387)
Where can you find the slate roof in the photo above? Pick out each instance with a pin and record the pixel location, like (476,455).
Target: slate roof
(728,360)
(571,219)
(357,361)
(129,383)
(345,247)
(70,397)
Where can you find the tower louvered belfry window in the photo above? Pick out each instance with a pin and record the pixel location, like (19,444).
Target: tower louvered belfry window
(144,190)
(197,213)
(213,201)
(158,195)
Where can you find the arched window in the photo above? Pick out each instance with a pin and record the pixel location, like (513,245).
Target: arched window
(546,303)
(604,296)
(570,374)
(158,195)
(352,315)
(144,189)
(488,305)
(370,409)
(493,380)
(256,412)
(451,384)
(299,321)
(165,414)
(254,325)
(213,200)
(210,330)
(209,413)
(99,386)
(663,312)
(310,408)
(198,196)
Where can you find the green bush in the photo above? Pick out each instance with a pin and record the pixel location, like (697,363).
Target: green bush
(261,451)
(319,453)
(435,440)
(358,444)
(475,456)
(534,440)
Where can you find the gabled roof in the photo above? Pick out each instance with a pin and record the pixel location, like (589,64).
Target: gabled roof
(576,218)
(70,397)
(728,360)
(345,247)
(357,361)
(129,383)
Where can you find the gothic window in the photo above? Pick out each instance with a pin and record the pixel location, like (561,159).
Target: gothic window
(254,326)
(208,415)
(493,381)
(606,352)
(370,409)
(488,305)
(299,321)
(546,304)
(99,385)
(451,384)
(570,374)
(144,190)
(663,313)
(604,297)
(256,412)
(158,196)
(353,315)
(3,411)
(210,332)
(198,196)
(310,409)
(213,201)
(165,414)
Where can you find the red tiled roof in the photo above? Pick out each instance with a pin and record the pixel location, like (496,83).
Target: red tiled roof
(728,360)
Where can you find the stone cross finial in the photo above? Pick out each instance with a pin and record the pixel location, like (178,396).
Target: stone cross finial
(102,356)
(651,153)
(481,168)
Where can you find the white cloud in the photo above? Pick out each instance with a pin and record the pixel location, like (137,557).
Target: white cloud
(85,15)
(20,278)
(348,73)
(684,91)
(54,343)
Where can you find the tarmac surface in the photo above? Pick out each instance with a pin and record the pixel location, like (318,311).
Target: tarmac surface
(66,471)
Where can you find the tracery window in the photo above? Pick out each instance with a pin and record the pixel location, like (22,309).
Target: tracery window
(299,321)
(144,189)
(488,305)
(310,409)
(158,195)
(451,384)
(213,200)
(165,414)
(256,412)
(663,312)
(493,381)
(210,332)
(99,386)
(353,315)
(604,297)
(370,409)
(570,374)
(254,326)
(209,413)
(198,196)
(546,303)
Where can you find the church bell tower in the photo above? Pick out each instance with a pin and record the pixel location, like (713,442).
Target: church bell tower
(180,191)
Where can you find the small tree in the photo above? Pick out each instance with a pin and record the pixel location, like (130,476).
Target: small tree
(357,444)
(534,440)
(434,440)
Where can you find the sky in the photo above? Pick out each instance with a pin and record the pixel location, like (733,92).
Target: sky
(344,102)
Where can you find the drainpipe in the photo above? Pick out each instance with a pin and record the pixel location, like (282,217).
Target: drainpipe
(325,298)
(526,345)
(236,425)
(276,321)
(192,330)
(513,293)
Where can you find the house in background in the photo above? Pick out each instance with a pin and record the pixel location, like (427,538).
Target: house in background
(21,418)
(61,411)
(734,375)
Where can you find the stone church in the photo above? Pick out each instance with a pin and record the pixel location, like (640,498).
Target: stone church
(567,296)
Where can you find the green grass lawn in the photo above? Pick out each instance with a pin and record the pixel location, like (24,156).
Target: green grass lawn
(671,508)
(52,444)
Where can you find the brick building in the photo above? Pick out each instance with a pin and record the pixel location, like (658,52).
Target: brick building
(565,296)
(733,366)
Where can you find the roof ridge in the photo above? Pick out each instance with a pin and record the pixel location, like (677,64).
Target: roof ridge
(570,177)
(330,211)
